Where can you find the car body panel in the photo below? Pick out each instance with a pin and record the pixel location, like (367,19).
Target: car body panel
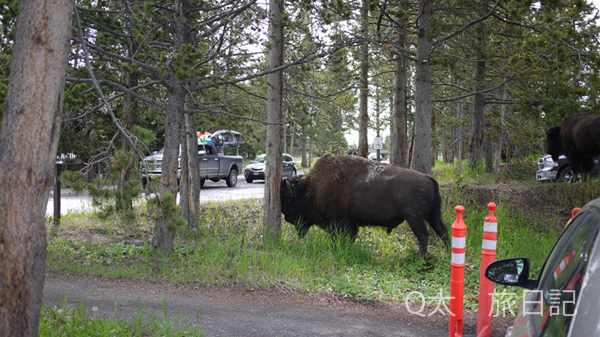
(551,171)
(566,299)
(587,311)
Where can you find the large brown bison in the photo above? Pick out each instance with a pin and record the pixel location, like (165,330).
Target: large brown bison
(578,138)
(343,193)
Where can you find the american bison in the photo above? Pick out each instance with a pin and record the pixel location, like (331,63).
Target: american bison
(578,138)
(343,193)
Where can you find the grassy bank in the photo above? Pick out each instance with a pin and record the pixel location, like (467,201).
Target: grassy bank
(228,250)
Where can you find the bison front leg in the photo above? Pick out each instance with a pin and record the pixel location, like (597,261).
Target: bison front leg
(344,227)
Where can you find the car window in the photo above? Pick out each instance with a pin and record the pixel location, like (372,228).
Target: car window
(287,158)
(562,276)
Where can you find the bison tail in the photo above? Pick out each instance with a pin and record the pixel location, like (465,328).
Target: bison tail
(436,215)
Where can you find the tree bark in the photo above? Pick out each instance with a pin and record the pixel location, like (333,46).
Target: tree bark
(452,146)
(476,142)
(163,238)
(393,134)
(29,137)
(500,132)
(292,139)
(310,153)
(489,155)
(459,135)
(184,181)
(421,157)
(193,172)
(400,156)
(284,141)
(303,150)
(129,119)
(363,118)
(444,150)
(273,168)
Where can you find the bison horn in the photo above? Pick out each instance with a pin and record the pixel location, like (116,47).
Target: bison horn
(288,184)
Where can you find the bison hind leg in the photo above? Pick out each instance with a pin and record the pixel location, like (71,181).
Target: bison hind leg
(419,228)
(587,165)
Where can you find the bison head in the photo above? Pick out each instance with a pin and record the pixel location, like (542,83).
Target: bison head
(555,147)
(292,198)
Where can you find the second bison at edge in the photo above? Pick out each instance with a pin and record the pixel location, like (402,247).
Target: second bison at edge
(343,193)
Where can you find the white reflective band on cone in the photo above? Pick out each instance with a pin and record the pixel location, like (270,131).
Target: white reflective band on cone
(490,227)
(458,258)
(459,242)
(488,244)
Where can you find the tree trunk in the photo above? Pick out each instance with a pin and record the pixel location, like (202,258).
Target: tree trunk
(184,181)
(500,131)
(292,139)
(363,118)
(444,150)
(128,123)
(163,237)
(303,150)
(273,168)
(400,78)
(193,172)
(476,142)
(410,152)
(459,135)
(393,133)
(489,155)
(29,137)
(284,141)
(452,147)
(310,156)
(421,157)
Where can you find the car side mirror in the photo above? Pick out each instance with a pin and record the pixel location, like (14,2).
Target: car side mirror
(511,272)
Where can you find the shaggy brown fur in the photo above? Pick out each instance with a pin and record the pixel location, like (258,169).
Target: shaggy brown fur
(578,137)
(342,193)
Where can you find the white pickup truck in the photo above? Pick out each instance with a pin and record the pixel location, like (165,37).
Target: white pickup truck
(212,166)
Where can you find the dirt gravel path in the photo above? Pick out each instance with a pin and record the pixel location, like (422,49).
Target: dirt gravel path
(238,312)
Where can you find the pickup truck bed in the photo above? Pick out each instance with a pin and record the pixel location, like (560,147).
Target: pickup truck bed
(212,166)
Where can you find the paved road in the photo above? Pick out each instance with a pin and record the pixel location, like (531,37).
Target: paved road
(235,311)
(211,191)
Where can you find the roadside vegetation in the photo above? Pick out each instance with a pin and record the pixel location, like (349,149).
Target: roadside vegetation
(228,249)
(83,321)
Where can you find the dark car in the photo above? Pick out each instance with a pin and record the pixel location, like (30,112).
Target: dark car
(256,170)
(550,170)
(565,298)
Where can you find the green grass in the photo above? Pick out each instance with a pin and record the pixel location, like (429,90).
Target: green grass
(80,321)
(515,172)
(378,266)
(228,250)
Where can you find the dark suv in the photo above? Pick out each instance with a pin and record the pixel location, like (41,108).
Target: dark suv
(550,170)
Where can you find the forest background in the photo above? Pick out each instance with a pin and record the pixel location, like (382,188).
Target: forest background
(476,80)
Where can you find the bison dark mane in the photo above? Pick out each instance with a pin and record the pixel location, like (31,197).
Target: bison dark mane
(578,138)
(343,193)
